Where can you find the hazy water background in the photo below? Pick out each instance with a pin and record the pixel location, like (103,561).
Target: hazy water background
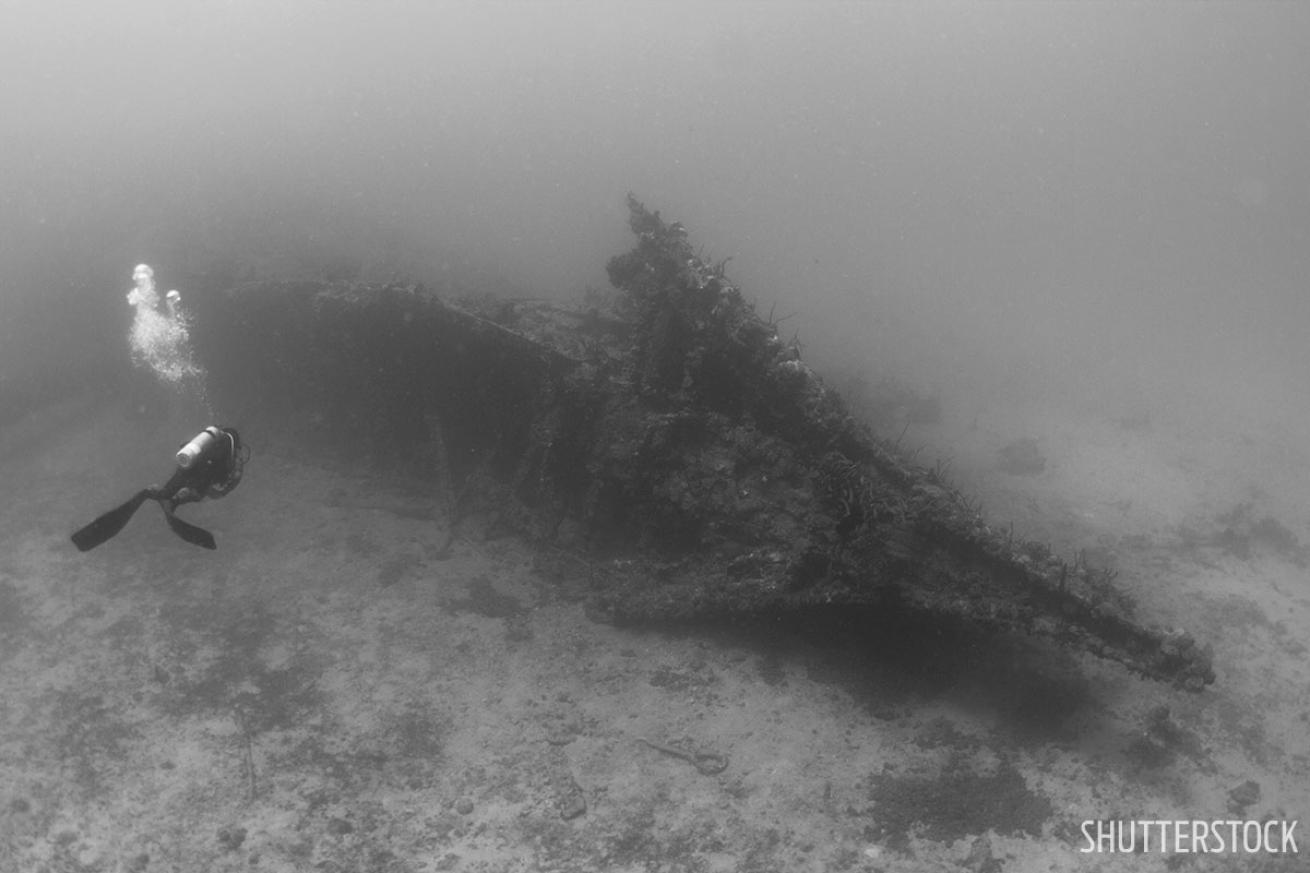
(1108,203)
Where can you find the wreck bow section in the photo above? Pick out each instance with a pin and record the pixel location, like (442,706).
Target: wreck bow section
(669,438)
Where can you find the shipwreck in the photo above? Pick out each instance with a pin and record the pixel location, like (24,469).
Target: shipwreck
(667,438)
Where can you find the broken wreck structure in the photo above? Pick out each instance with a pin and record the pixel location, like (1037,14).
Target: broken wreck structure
(670,440)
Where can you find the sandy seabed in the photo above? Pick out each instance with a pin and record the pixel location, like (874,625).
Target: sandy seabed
(330,692)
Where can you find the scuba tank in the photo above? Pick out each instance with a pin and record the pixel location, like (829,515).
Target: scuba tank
(187,455)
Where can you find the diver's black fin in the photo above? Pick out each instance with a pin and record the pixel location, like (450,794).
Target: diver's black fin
(196,536)
(108,525)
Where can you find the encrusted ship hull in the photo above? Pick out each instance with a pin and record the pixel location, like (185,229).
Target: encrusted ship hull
(668,441)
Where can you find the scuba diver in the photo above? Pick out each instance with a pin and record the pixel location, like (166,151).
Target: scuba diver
(209,466)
